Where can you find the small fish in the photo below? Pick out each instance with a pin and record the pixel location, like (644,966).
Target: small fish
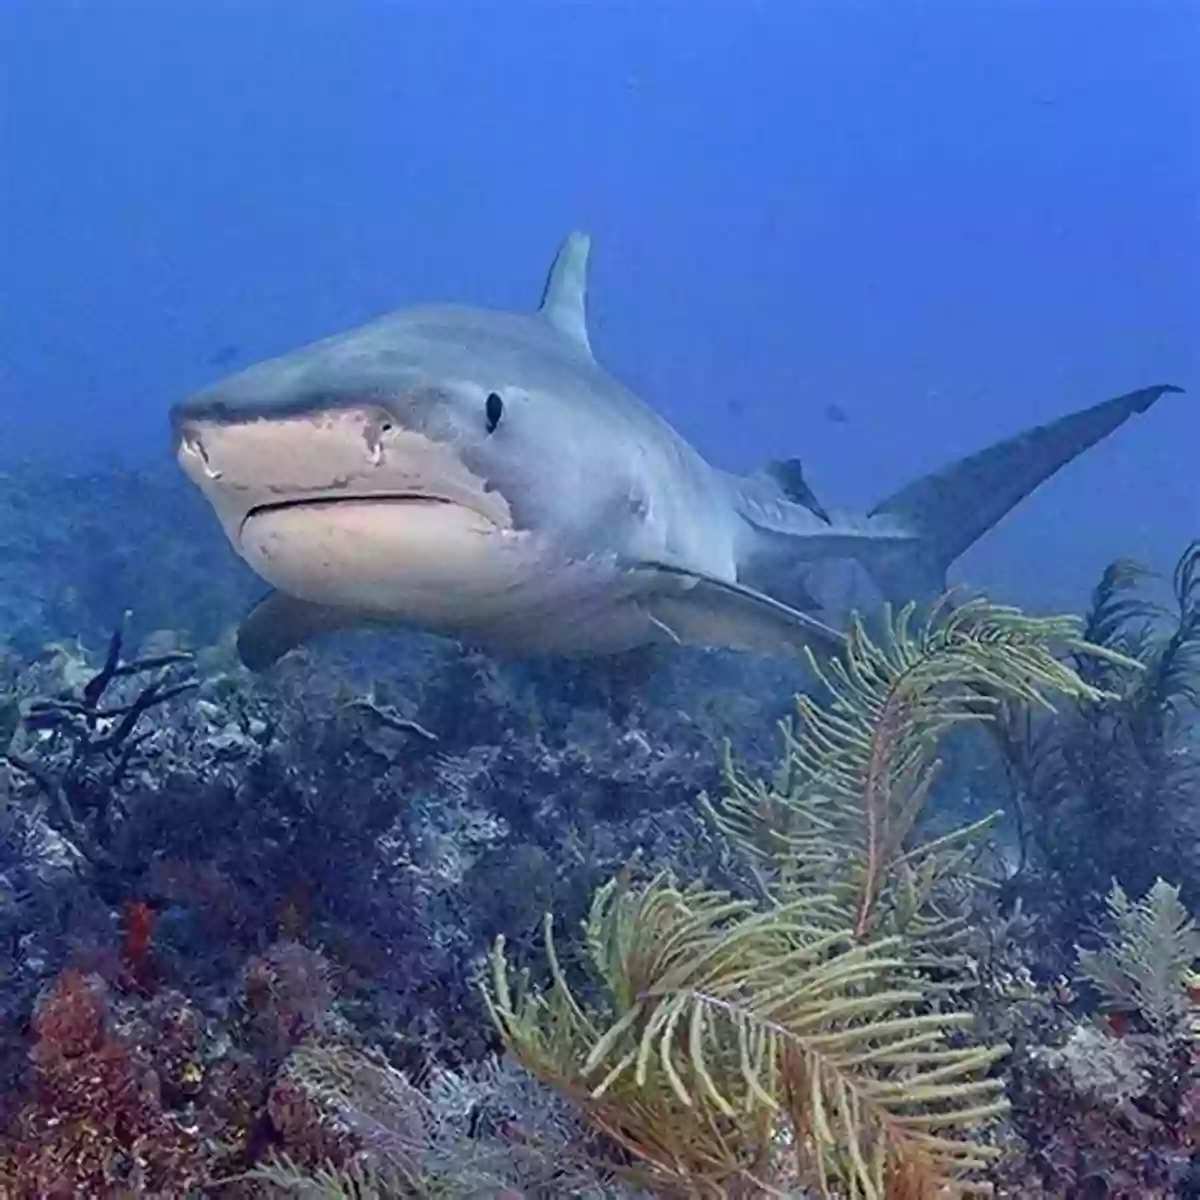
(224,355)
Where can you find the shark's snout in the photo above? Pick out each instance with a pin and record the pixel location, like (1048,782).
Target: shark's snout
(343,507)
(342,454)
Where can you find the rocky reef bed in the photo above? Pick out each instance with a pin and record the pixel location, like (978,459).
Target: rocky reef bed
(247,925)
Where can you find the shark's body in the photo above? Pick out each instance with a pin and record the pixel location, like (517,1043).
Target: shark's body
(477,474)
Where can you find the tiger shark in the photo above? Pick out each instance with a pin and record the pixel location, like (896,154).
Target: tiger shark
(476,473)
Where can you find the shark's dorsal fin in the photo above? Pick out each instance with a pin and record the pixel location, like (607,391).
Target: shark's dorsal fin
(564,299)
(788,475)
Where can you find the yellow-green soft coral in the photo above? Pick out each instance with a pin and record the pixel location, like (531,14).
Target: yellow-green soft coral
(750,1047)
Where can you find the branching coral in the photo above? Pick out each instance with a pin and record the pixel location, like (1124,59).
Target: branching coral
(353,1128)
(97,1124)
(402,832)
(104,742)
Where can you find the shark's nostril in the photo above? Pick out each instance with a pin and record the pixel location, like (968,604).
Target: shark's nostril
(374,433)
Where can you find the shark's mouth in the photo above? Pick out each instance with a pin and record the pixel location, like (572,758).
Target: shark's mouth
(319,502)
(385,553)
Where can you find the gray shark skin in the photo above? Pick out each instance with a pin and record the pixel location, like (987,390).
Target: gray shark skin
(477,474)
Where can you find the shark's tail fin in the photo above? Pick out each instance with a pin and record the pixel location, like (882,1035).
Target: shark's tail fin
(951,509)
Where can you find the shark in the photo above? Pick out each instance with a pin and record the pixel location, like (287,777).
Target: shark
(476,473)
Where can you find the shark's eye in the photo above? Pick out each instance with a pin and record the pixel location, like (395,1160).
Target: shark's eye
(494,410)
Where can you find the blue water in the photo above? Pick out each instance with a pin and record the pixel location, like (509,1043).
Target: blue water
(876,235)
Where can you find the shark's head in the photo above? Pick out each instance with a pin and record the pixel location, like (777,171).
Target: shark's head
(415,467)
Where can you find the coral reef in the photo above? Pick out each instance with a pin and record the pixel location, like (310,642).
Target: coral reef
(1105,788)
(248,925)
(745,1047)
(1114,1109)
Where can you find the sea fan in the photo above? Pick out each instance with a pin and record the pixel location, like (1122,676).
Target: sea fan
(746,1049)
(856,771)
(1105,788)
(746,1046)
(1147,959)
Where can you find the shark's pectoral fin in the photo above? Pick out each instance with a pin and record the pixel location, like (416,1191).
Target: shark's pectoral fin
(699,609)
(279,623)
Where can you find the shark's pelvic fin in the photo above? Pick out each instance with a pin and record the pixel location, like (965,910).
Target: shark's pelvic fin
(951,509)
(564,298)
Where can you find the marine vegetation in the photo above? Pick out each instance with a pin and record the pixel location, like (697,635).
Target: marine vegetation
(807,1037)
(288,934)
(1105,788)
(1112,1108)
